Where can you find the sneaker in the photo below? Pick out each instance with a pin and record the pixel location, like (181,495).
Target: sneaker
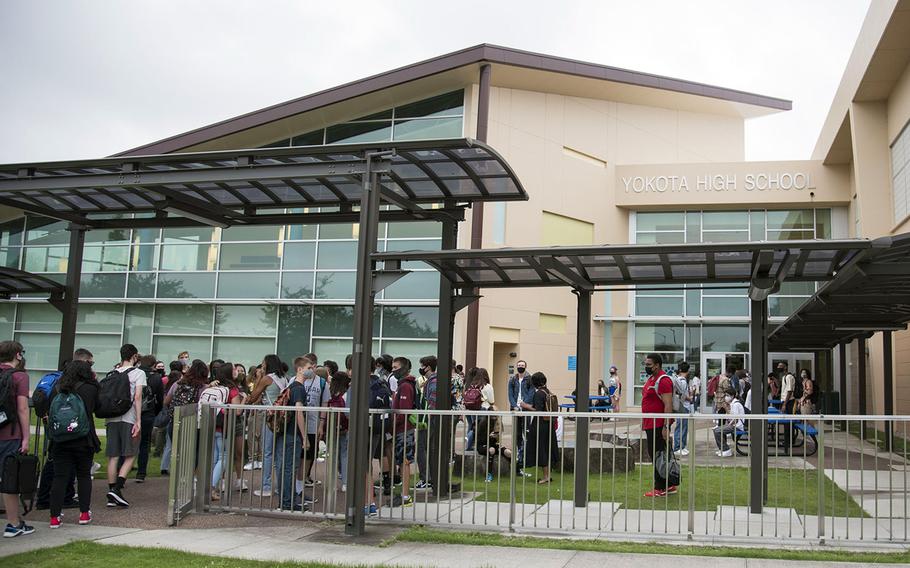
(718,453)
(677,453)
(12,531)
(56,522)
(95,467)
(672,490)
(684,452)
(309,482)
(241,485)
(85,518)
(262,493)
(727,454)
(344,488)
(422,485)
(165,472)
(140,478)
(250,466)
(489,478)
(371,511)
(656,493)
(117,495)
(407,501)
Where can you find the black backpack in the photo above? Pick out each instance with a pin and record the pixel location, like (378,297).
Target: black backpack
(114,399)
(9,411)
(149,403)
(380,398)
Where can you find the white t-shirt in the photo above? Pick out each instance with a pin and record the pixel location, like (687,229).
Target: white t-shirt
(736,409)
(317,395)
(137,380)
(788,384)
(486,396)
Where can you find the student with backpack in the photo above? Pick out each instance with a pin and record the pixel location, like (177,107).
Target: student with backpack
(657,397)
(290,430)
(120,401)
(271,380)
(318,395)
(338,389)
(14,429)
(404,403)
(152,403)
(73,441)
(380,399)
(541,449)
(173,377)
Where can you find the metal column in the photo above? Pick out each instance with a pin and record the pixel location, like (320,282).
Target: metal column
(440,448)
(363,341)
(582,389)
(758,361)
(861,377)
(842,364)
(888,365)
(70,303)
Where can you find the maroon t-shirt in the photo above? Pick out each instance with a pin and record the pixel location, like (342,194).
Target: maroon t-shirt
(12,431)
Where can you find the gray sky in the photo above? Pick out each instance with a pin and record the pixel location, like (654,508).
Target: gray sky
(85,79)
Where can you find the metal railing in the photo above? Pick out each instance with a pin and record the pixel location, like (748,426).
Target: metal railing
(825,477)
(185,446)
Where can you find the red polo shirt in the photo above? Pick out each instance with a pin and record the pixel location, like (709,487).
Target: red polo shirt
(651,402)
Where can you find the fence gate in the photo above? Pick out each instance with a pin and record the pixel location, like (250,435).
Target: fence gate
(182,486)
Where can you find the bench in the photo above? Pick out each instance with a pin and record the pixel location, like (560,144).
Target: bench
(808,431)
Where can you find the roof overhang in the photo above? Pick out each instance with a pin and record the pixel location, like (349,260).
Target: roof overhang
(514,68)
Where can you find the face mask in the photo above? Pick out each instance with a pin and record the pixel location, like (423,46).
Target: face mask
(649,370)
(612,372)
(183,361)
(728,398)
(309,374)
(422,371)
(521,370)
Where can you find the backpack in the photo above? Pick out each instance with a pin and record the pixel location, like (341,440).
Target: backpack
(183,394)
(8,407)
(42,395)
(797,388)
(67,419)
(712,386)
(420,403)
(19,476)
(381,399)
(212,396)
(278,420)
(114,398)
(473,399)
(148,395)
(551,404)
(337,401)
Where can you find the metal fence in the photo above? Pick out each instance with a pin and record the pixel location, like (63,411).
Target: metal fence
(182,484)
(826,477)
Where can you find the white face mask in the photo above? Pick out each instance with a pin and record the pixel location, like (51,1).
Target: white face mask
(729,399)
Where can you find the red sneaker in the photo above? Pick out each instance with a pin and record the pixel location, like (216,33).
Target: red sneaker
(656,493)
(672,490)
(55,521)
(85,518)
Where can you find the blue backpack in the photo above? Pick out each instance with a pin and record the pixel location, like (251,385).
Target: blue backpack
(42,395)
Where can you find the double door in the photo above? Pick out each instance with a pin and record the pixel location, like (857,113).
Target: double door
(714,363)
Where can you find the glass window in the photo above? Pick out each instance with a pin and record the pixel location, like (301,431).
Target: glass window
(183,319)
(693,302)
(659,306)
(731,338)
(300,256)
(105,259)
(822,223)
(145,257)
(725,236)
(725,221)
(44,231)
(355,132)
(105,350)
(756,225)
(103,285)
(790,235)
(658,337)
(381,115)
(188,257)
(337,255)
(415,286)
(427,128)
(257,256)
(333,349)
(189,235)
(449,104)
(720,306)
(9,257)
(293,331)
(297,285)
(146,236)
(413,350)
(410,322)
(102,318)
(693,227)
(670,238)
(302,232)
(186,285)
(693,345)
(111,236)
(333,321)
(11,232)
(413,229)
(245,320)
(788,288)
(38,317)
(335,285)
(248,285)
(137,328)
(339,231)
(168,347)
(41,349)
(7,320)
(314,138)
(793,219)
(784,306)
(252,233)
(244,350)
(660,222)
(422,244)
(140,285)
(46,259)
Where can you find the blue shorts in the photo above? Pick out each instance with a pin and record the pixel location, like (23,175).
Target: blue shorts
(404,447)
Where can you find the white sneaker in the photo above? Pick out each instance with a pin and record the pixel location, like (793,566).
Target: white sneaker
(95,467)
(264,493)
(250,466)
(344,488)
(718,453)
(727,454)
(678,453)
(684,452)
(241,485)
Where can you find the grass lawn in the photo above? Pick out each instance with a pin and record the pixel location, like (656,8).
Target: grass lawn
(426,535)
(92,555)
(714,486)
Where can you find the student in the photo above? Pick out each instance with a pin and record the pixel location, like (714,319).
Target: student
(682,404)
(14,435)
(270,381)
(404,401)
(517,391)
(77,454)
(225,379)
(488,436)
(542,449)
(427,370)
(123,432)
(338,389)
(380,399)
(808,403)
(615,388)
(173,377)
(734,408)
(290,442)
(318,395)
(152,403)
(657,397)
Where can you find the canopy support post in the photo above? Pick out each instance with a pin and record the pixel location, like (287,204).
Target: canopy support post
(888,364)
(69,305)
(861,384)
(758,361)
(582,390)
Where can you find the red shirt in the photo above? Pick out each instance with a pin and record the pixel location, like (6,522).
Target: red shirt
(651,402)
(404,400)
(12,431)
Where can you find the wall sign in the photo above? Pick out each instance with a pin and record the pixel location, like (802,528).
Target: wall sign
(573,362)
(762,181)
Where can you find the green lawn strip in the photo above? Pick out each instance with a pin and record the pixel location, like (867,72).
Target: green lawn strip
(714,486)
(900,444)
(92,555)
(427,535)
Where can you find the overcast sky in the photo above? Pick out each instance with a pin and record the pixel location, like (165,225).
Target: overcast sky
(86,79)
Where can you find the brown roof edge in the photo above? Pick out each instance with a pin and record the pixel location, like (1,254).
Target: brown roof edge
(479,53)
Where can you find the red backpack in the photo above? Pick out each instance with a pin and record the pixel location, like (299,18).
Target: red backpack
(337,401)
(473,399)
(712,386)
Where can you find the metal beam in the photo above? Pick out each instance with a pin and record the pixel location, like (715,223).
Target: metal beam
(400,201)
(890,269)
(758,449)
(70,304)
(564,273)
(842,364)
(888,371)
(582,390)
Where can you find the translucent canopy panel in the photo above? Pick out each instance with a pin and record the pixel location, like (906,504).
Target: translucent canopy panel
(13,281)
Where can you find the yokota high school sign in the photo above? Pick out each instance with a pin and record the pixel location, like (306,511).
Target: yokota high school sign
(776,181)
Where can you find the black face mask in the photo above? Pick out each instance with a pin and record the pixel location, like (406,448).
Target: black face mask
(422,371)
(521,370)
(649,370)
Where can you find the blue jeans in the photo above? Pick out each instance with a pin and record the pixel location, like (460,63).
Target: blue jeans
(343,456)
(166,455)
(681,432)
(287,455)
(217,459)
(267,442)
(470,442)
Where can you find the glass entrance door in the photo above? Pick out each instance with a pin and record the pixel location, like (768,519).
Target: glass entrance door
(714,363)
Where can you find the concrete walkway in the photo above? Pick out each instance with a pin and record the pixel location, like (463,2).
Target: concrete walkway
(316,543)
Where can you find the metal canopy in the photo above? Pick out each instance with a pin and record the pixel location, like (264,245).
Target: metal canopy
(13,281)
(870,295)
(247,186)
(761,264)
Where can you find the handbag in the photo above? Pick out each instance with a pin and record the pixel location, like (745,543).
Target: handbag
(667,468)
(20,477)
(163,419)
